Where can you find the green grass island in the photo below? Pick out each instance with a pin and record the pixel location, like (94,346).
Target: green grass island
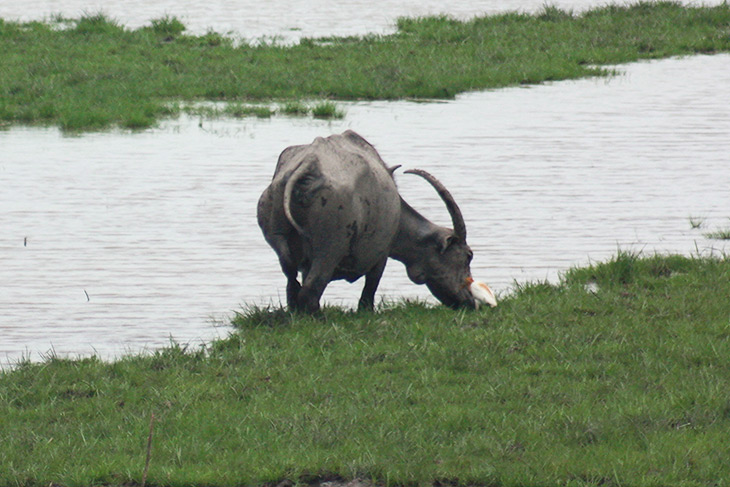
(92,73)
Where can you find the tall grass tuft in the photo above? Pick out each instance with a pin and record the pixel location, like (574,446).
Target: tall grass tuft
(696,222)
(721,234)
(327,109)
(295,108)
(97,24)
(168,26)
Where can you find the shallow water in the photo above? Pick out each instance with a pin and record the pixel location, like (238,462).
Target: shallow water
(115,242)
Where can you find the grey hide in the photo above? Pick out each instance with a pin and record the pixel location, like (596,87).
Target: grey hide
(332,211)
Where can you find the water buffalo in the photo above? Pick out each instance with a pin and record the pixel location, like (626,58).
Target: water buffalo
(332,211)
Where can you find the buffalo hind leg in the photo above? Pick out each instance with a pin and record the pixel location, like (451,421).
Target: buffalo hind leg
(292,285)
(372,279)
(292,292)
(289,256)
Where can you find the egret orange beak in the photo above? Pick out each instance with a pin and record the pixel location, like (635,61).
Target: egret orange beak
(467,282)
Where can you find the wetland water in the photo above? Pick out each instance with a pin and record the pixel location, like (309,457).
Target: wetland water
(114,242)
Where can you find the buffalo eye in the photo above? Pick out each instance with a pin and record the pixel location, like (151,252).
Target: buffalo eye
(469,256)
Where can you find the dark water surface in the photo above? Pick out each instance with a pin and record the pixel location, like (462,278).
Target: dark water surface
(114,242)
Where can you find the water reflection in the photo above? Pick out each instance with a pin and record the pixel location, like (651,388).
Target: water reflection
(113,241)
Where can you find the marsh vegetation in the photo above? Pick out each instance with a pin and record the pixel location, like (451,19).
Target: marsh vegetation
(721,234)
(91,72)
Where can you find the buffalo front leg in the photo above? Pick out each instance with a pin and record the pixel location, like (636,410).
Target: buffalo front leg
(313,285)
(372,279)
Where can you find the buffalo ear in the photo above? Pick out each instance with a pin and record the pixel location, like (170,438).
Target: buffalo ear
(391,170)
(447,241)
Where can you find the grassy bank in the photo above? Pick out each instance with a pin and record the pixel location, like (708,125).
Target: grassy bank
(619,375)
(92,73)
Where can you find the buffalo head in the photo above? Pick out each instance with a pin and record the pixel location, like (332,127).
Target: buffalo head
(439,257)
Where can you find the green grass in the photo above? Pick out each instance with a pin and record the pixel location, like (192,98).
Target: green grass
(238,110)
(327,110)
(295,108)
(721,234)
(696,222)
(95,73)
(324,110)
(627,383)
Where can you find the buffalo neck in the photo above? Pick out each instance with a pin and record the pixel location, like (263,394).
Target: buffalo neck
(412,228)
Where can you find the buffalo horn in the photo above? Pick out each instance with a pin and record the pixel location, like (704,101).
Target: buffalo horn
(456,218)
